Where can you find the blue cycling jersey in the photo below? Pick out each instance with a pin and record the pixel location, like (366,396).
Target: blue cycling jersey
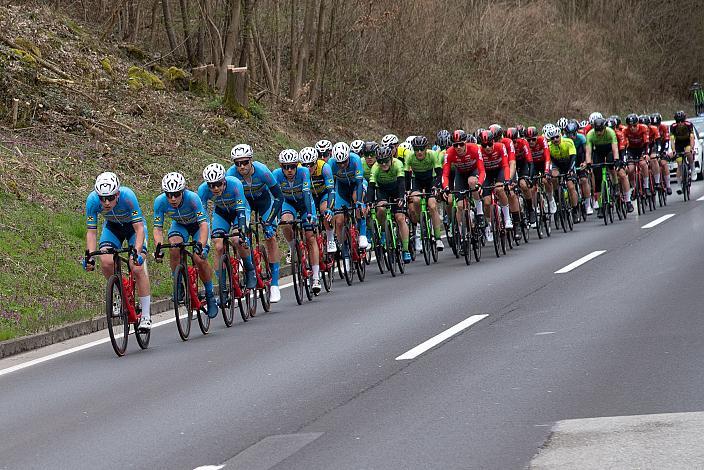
(350,178)
(230,201)
(260,183)
(126,211)
(296,191)
(190,211)
(579,141)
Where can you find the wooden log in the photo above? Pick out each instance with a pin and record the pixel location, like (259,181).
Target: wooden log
(15,107)
(212,75)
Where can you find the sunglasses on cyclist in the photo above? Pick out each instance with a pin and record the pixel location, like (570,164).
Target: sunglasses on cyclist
(532,139)
(108,198)
(309,165)
(239,163)
(289,167)
(383,161)
(215,184)
(173,195)
(557,137)
(458,144)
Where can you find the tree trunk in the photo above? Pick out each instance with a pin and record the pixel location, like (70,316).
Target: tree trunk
(279,49)
(293,54)
(214,34)
(186,32)
(152,28)
(243,83)
(230,43)
(168,24)
(318,55)
(135,20)
(302,60)
(262,58)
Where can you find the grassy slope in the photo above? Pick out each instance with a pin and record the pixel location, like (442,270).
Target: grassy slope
(48,168)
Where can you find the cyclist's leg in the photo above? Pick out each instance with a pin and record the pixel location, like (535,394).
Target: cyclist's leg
(654,165)
(645,172)
(205,272)
(402,225)
(141,274)
(341,201)
(502,197)
(177,234)
(414,203)
(110,236)
(361,219)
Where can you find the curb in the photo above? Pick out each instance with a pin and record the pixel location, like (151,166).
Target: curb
(15,346)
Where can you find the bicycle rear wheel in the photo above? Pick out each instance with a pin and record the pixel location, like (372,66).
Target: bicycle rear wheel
(182,302)
(265,293)
(202,313)
(425,238)
(466,235)
(496,218)
(116,313)
(399,249)
(390,247)
(241,300)
(296,273)
(226,291)
(346,259)
(142,337)
(539,217)
(379,251)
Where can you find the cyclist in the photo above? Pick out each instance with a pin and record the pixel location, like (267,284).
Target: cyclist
(348,174)
(295,184)
(468,163)
(423,171)
(662,146)
(323,190)
(265,197)
(390,140)
(580,144)
(387,185)
(682,140)
(497,172)
(324,149)
(563,156)
(602,147)
(653,139)
(637,136)
(230,211)
(123,221)
(524,168)
(513,203)
(356,146)
(442,141)
(541,162)
(403,150)
(188,220)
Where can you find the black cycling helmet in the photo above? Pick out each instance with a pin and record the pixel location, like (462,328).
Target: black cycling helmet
(611,123)
(384,153)
(521,130)
(631,119)
(532,132)
(644,119)
(599,124)
(486,138)
(442,139)
(420,142)
(680,116)
(459,136)
(478,132)
(369,148)
(471,139)
(572,127)
(512,133)
(497,130)
(656,119)
(616,119)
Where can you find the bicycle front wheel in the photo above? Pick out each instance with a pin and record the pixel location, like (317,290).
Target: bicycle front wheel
(390,248)
(265,293)
(296,273)
(225,291)
(116,313)
(182,302)
(425,238)
(202,312)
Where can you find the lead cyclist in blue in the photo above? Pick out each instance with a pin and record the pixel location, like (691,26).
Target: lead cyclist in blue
(263,196)
(349,188)
(295,183)
(230,211)
(188,219)
(123,221)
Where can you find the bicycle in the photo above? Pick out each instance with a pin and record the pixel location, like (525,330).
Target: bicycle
(606,196)
(122,308)
(327,260)
(232,287)
(349,253)
(638,189)
(564,207)
(301,270)
(543,225)
(376,241)
(188,297)
(262,268)
(685,175)
(427,232)
(498,224)
(467,234)
(392,242)
(662,191)
(522,215)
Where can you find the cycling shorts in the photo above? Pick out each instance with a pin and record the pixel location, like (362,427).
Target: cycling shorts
(114,235)
(424,185)
(524,168)
(318,200)
(462,179)
(263,206)
(684,147)
(185,232)
(492,177)
(385,195)
(298,210)
(224,221)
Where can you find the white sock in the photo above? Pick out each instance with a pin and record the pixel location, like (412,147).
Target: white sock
(505,212)
(330,234)
(657,178)
(146,303)
(628,195)
(646,183)
(480,208)
(316,271)
(586,203)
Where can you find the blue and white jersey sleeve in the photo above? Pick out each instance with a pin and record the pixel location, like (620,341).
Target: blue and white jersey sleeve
(126,211)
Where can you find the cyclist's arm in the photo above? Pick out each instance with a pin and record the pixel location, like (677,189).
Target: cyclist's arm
(92,239)
(446,173)
(588,153)
(401,186)
(505,165)
(546,156)
(140,235)
(329,182)
(371,193)
(359,179)
(158,220)
(307,195)
(407,177)
(481,171)
(691,140)
(573,155)
(92,222)
(438,177)
(278,202)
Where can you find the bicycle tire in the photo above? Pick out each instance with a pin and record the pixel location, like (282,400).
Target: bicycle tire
(466,243)
(360,268)
(425,238)
(265,293)
(307,280)
(242,301)
(457,236)
(539,217)
(525,227)
(226,291)
(476,243)
(390,248)
(399,249)
(182,311)
(296,274)
(495,229)
(411,239)
(202,313)
(379,252)
(142,337)
(346,247)
(118,324)
(251,302)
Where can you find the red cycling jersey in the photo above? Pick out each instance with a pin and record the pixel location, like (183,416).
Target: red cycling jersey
(508,143)
(467,163)
(541,153)
(664,132)
(654,134)
(496,158)
(636,136)
(523,150)
(621,138)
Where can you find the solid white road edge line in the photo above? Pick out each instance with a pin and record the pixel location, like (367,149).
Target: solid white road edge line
(658,221)
(437,339)
(701,199)
(580,261)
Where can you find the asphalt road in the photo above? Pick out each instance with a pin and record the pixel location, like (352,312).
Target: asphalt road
(320,386)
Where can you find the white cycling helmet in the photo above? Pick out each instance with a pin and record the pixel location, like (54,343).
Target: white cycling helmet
(404,150)
(341,152)
(356,146)
(389,139)
(410,138)
(288,156)
(107,184)
(551,132)
(594,116)
(562,122)
(323,146)
(213,173)
(241,151)
(582,124)
(308,155)
(548,127)
(173,182)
